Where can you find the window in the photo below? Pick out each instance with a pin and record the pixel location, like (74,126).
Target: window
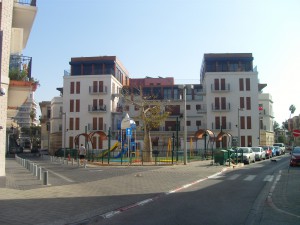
(216,84)
(248,122)
(217,103)
(223,103)
(249,141)
(101,86)
(198,123)
(188,107)
(242,103)
(71,105)
(241,83)
(198,107)
(247,84)
(100,123)
(224,122)
(188,123)
(77,105)
(71,123)
(242,122)
(217,122)
(94,123)
(77,87)
(223,86)
(72,88)
(71,141)
(248,102)
(77,123)
(95,86)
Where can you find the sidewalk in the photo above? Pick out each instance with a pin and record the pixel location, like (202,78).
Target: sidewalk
(78,194)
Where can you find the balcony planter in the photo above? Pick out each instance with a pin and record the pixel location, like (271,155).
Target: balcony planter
(19,83)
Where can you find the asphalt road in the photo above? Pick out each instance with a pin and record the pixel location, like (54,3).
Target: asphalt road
(233,198)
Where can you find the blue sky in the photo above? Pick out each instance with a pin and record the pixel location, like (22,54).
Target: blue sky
(168,38)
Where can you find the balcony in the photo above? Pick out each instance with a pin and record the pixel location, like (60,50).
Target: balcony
(118,109)
(222,88)
(225,127)
(90,127)
(24,13)
(220,108)
(95,90)
(98,108)
(201,110)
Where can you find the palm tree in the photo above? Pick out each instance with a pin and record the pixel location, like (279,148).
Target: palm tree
(292,110)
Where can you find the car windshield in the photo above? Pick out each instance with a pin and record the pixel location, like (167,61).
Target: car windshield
(256,149)
(296,150)
(243,150)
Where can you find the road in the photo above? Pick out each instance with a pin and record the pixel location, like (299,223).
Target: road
(234,197)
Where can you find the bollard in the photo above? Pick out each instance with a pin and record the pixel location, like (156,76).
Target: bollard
(35,170)
(78,162)
(45,178)
(31,167)
(84,163)
(39,173)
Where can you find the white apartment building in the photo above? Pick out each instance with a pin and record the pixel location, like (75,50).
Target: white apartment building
(16,20)
(90,98)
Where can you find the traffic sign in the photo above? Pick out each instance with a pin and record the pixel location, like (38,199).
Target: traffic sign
(296,133)
(128,131)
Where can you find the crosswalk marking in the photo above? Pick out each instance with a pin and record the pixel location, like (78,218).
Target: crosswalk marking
(269,178)
(233,177)
(250,177)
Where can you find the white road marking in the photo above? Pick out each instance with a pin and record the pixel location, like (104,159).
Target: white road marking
(61,176)
(269,178)
(250,178)
(234,177)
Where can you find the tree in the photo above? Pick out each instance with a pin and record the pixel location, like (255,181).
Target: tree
(292,110)
(152,114)
(276,126)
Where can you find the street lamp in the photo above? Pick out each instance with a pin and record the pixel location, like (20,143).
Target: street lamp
(239,129)
(184,87)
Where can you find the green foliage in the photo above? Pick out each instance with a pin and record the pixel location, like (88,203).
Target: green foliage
(16,74)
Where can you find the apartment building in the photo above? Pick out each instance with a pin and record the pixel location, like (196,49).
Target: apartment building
(227,99)
(16,20)
(231,85)
(91,100)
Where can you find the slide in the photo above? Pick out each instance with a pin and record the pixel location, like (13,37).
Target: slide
(123,152)
(114,147)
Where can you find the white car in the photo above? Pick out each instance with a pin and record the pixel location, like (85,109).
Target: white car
(247,154)
(260,154)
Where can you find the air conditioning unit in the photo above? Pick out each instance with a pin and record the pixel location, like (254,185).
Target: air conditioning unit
(16,44)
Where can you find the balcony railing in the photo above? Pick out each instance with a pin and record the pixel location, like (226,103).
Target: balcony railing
(20,67)
(225,88)
(226,126)
(97,90)
(225,107)
(26,2)
(90,127)
(98,108)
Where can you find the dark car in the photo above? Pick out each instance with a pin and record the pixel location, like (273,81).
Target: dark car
(295,156)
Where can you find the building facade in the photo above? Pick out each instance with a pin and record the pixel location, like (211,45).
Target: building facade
(16,20)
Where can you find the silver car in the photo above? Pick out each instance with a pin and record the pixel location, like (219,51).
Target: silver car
(247,153)
(260,154)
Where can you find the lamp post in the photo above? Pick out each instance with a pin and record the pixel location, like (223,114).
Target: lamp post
(184,87)
(239,129)
(65,130)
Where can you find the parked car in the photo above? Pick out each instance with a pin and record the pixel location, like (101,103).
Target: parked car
(273,151)
(295,156)
(278,150)
(259,152)
(247,153)
(282,146)
(268,151)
